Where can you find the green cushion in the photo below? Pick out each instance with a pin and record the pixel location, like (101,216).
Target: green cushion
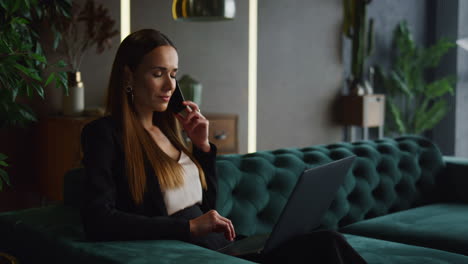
(376,251)
(54,234)
(388,175)
(440,226)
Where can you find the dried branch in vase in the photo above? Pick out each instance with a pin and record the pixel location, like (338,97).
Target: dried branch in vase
(85,28)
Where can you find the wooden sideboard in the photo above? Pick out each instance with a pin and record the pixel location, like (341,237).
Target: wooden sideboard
(58,141)
(59,144)
(223,132)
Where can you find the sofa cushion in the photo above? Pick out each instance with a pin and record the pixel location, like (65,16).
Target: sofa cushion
(54,234)
(376,251)
(440,226)
(388,175)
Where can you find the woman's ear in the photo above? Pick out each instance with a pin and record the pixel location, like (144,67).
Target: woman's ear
(128,76)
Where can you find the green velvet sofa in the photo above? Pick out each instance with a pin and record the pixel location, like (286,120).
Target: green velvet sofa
(401,202)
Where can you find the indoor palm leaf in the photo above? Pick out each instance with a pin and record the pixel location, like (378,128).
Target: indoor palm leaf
(22,61)
(415,103)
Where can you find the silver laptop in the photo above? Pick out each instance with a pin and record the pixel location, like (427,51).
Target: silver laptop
(303,212)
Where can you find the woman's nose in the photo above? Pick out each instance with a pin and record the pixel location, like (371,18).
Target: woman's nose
(169,84)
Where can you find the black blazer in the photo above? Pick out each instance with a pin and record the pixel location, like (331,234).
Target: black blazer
(109,212)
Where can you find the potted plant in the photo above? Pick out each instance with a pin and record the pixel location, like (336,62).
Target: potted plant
(88,26)
(22,62)
(360,30)
(415,103)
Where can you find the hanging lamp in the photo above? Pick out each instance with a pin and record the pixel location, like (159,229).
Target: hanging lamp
(203,10)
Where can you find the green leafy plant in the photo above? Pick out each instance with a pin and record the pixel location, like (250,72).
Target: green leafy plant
(22,60)
(3,174)
(414,104)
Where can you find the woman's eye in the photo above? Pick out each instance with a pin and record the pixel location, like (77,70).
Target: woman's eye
(157,74)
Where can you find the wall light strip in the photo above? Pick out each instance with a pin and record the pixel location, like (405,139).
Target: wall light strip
(124,19)
(252,94)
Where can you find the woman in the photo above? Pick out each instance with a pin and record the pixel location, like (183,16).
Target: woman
(143,183)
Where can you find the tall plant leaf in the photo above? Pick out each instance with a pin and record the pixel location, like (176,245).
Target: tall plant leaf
(400,84)
(440,87)
(433,116)
(397,117)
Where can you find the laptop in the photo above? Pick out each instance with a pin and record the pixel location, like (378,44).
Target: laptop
(303,212)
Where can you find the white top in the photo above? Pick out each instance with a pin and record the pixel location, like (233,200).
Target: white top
(188,194)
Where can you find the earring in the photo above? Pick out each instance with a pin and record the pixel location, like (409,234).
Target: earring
(129,91)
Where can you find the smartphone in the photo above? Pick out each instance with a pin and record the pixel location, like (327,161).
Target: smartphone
(175,104)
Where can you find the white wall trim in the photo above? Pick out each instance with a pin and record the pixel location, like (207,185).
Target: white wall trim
(252,94)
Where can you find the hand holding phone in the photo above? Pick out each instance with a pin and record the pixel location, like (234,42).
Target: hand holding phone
(194,124)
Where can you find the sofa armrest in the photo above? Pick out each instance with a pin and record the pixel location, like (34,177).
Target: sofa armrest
(456,178)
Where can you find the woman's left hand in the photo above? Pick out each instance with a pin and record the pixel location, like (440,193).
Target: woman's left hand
(196,126)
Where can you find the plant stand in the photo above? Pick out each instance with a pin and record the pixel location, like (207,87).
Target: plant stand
(363,111)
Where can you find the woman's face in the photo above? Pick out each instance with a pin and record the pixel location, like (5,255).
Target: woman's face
(154,79)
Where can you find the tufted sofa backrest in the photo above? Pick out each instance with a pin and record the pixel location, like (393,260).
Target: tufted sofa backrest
(388,175)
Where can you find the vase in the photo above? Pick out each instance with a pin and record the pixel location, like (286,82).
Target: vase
(359,88)
(73,103)
(191,89)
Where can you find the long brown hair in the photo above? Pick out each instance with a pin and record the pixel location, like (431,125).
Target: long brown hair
(138,143)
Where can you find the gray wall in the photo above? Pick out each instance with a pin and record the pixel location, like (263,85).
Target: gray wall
(446,26)
(461,136)
(214,53)
(299,72)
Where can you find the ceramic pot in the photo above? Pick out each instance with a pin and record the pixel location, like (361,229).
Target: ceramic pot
(360,88)
(73,103)
(191,89)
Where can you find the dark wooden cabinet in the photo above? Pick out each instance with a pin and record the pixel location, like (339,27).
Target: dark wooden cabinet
(58,141)
(59,144)
(223,132)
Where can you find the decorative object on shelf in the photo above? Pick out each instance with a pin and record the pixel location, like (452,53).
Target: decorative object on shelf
(191,89)
(73,103)
(88,26)
(415,104)
(203,10)
(361,31)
